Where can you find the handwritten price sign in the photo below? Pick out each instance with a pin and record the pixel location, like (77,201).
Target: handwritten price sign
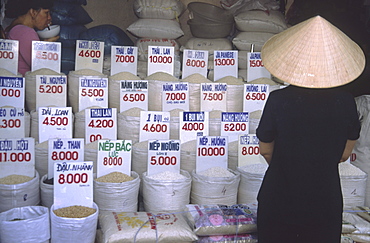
(225,64)
(194,61)
(46,55)
(123,59)
(9,55)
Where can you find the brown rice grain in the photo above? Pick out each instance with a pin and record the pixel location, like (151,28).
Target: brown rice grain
(14,179)
(74,212)
(114,177)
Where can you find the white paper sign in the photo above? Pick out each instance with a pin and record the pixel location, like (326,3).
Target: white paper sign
(64,149)
(163,155)
(212,151)
(55,122)
(134,93)
(12,123)
(225,64)
(194,61)
(249,150)
(161,59)
(123,59)
(100,123)
(51,90)
(89,55)
(154,124)
(114,155)
(193,124)
(12,91)
(213,96)
(175,96)
(73,184)
(46,54)
(233,124)
(17,156)
(255,96)
(9,50)
(255,68)
(93,91)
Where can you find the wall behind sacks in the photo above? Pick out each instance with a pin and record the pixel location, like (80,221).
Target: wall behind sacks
(120,13)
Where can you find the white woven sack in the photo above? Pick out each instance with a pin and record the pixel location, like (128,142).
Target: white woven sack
(156,28)
(188,155)
(243,40)
(140,157)
(243,74)
(261,21)
(175,124)
(214,123)
(144,43)
(91,153)
(46,192)
(19,195)
(214,190)
(128,127)
(159,9)
(166,195)
(251,177)
(114,88)
(34,225)
(41,157)
(121,197)
(254,121)
(232,155)
(210,45)
(79,125)
(74,230)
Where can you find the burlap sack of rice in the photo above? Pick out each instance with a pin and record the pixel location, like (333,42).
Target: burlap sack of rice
(25,224)
(215,187)
(188,155)
(254,120)
(114,87)
(214,123)
(251,177)
(175,124)
(173,188)
(139,157)
(79,229)
(195,80)
(25,193)
(46,192)
(234,97)
(73,85)
(30,86)
(128,125)
(41,157)
(113,195)
(145,227)
(232,155)
(357,227)
(91,153)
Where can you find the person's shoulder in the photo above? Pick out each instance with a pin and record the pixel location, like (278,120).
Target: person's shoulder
(22,31)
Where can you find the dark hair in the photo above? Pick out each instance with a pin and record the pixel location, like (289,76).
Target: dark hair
(16,8)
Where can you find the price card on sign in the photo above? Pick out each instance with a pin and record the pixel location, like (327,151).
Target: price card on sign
(193,124)
(12,91)
(89,55)
(93,91)
(55,122)
(161,59)
(123,59)
(212,151)
(175,96)
(12,122)
(73,184)
(9,50)
(51,90)
(114,155)
(255,68)
(64,149)
(163,155)
(233,124)
(134,93)
(194,61)
(100,123)
(255,96)
(17,156)
(154,124)
(249,150)
(225,64)
(46,54)
(213,96)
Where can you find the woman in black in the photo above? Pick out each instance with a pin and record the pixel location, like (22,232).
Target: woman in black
(306,129)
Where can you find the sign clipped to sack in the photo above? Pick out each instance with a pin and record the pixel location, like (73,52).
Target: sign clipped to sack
(12,123)
(123,59)
(212,151)
(9,50)
(163,155)
(255,68)
(161,59)
(114,156)
(175,96)
(213,96)
(233,124)
(154,124)
(225,64)
(46,54)
(51,90)
(255,96)
(134,93)
(249,150)
(194,61)
(12,91)
(93,91)
(64,149)
(54,122)
(100,123)
(89,55)
(193,124)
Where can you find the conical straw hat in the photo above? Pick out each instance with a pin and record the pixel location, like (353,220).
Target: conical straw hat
(313,54)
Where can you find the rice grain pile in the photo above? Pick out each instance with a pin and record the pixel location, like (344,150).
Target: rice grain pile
(167,176)
(14,179)
(114,177)
(196,78)
(162,76)
(230,80)
(216,172)
(74,212)
(263,81)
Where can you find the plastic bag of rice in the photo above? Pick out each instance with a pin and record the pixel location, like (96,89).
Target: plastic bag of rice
(222,219)
(234,238)
(144,227)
